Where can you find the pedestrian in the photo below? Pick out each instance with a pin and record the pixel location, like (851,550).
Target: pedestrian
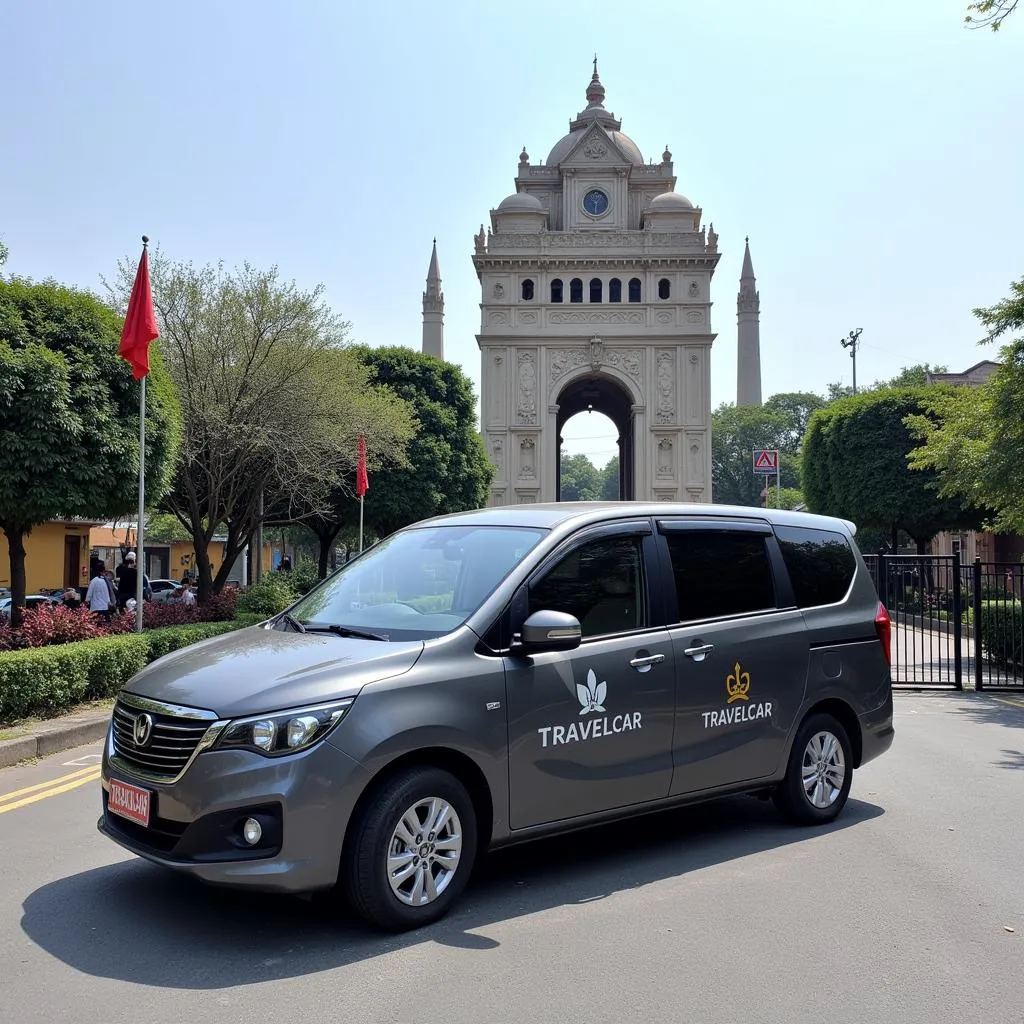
(128,580)
(71,598)
(101,597)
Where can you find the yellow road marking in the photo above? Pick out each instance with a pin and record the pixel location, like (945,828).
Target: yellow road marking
(30,794)
(1010,701)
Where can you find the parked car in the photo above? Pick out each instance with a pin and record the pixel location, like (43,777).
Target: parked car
(162,589)
(31,601)
(482,679)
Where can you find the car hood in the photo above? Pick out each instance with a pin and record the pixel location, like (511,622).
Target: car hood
(255,670)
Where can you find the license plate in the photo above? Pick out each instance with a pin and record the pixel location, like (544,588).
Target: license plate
(129,802)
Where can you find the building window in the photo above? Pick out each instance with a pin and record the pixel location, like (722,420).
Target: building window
(614,290)
(556,290)
(596,288)
(664,288)
(575,290)
(528,290)
(634,290)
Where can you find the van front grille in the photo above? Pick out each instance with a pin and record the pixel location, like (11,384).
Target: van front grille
(166,751)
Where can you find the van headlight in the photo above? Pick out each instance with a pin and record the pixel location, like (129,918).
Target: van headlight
(283,732)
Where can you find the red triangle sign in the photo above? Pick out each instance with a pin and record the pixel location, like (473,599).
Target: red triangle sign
(765,461)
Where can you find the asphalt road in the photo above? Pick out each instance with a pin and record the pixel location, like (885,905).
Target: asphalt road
(900,912)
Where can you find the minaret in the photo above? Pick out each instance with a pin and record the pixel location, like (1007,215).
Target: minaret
(748,336)
(433,310)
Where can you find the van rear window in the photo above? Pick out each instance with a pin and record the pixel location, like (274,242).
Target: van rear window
(820,564)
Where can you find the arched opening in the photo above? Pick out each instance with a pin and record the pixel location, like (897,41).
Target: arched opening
(602,413)
(614,290)
(634,289)
(596,288)
(575,290)
(664,288)
(556,290)
(528,290)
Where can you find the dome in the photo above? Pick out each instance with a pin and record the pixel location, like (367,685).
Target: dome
(669,202)
(520,202)
(565,146)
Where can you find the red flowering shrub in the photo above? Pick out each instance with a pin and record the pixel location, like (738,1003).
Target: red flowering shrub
(156,614)
(121,622)
(8,637)
(221,607)
(43,626)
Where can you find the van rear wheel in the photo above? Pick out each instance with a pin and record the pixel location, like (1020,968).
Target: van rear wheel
(819,774)
(412,850)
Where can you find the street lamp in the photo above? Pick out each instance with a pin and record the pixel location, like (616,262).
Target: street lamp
(851,343)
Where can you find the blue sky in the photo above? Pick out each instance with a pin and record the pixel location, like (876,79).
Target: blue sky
(871,150)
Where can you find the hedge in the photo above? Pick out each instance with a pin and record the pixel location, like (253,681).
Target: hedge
(45,681)
(1002,631)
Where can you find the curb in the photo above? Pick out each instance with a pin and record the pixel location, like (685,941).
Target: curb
(51,738)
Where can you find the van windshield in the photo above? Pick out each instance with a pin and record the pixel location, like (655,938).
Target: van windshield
(418,584)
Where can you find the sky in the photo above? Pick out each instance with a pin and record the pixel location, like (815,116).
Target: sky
(871,150)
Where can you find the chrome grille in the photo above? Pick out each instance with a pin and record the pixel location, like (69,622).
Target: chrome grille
(171,744)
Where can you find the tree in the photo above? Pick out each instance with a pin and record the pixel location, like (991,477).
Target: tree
(69,415)
(580,479)
(271,400)
(992,13)
(797,408)
(446,467)
(610,480)
(973,436)
(854,465)
(736,431)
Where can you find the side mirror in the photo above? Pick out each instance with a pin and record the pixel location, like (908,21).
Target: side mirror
(548,631)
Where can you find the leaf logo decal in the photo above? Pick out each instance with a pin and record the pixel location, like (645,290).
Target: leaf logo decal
(592,696)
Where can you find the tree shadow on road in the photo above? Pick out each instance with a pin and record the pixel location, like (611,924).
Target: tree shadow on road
(135,922)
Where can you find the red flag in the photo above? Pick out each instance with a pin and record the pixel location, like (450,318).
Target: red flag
(362,481)
(139,323)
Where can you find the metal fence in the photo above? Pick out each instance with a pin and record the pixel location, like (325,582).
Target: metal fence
(953,624)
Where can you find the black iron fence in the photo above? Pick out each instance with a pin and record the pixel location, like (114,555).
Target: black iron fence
(953,624)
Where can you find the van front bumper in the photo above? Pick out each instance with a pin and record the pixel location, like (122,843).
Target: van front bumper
(303,803)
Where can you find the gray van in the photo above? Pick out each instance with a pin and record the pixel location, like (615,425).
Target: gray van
(481,679)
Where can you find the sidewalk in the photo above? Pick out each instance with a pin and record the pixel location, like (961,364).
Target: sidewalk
(38,738)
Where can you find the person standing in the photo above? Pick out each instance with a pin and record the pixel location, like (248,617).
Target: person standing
(100,597)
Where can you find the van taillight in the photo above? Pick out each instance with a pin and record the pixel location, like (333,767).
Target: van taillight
(883,626)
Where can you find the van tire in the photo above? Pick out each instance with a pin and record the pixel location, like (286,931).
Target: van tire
(790,797)
(364,870)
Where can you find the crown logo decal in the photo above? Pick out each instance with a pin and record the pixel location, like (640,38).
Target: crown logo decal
(737,684)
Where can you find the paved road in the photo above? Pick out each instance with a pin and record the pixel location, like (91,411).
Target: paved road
(715,914)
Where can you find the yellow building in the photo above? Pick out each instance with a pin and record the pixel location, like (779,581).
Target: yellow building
(56,556)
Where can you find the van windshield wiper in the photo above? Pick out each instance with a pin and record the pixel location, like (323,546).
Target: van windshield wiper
(338,630)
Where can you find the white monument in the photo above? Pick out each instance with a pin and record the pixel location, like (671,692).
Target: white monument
(596,294)
(433,310)
(748,336)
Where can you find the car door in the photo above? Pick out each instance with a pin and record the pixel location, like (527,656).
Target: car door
(591,729)
(740,648)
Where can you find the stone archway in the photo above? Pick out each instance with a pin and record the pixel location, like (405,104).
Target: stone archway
(598,393)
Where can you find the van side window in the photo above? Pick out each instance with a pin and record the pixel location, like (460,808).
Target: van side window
(820,564)
(719,574)
(600,582)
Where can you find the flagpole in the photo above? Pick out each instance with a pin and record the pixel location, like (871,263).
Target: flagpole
(360,523)
(140,562)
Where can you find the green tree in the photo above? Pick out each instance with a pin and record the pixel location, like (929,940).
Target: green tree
(446,468)
(69,415)
(736,432)
(990,13)
(580,479)
(610,480)
(973,436)
(854,465)
(797,408)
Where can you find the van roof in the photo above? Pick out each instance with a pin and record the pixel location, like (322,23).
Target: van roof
(580,513)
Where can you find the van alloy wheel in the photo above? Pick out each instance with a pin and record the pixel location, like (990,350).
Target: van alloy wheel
(424,852)
(823,770)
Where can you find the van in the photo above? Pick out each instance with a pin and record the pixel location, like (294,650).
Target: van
(481,679)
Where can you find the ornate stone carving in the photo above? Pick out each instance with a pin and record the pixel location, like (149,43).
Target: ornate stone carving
(497,450)
(498,318)
(694,289)
(526,409)
(527,460)
(595,150)
(694,358)
(480,240)
(529,317)
(628,360)
(499,290)
(596,352)
(563,360)
(666,387)
(498,360)
(695,316)
(665,317)
(596,318)
(712,239)
(695,464)
(664,458)
(638,240)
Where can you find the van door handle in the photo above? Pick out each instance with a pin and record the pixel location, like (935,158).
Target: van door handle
(700,652)
(643,662)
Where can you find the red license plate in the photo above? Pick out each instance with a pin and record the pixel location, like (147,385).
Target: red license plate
(129,802)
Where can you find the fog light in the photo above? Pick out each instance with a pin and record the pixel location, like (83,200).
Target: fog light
(252,831)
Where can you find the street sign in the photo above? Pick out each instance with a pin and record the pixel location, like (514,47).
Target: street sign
(766,460)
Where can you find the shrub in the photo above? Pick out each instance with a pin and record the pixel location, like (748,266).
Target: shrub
(1002,631)
(222,607)
(44,626)
(271,595)
(155,615)
(305,576)
(48,680)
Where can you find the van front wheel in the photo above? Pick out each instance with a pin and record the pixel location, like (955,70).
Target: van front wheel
(819,775)
(412,850)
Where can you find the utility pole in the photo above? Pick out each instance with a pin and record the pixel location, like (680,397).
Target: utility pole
(852,343)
